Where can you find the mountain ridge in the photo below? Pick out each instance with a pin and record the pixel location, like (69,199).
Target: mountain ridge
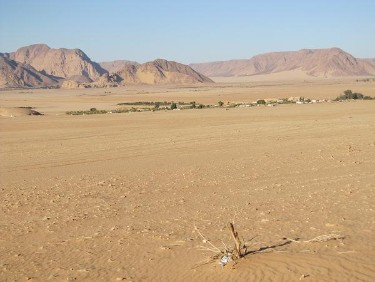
(161,71)
(331,62)
(59,62)
(15,75)
(117,65)
(38,65)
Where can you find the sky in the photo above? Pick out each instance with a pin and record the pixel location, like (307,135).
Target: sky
(189,31)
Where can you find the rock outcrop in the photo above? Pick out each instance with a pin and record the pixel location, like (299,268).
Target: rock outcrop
(63,63)
(14,74)
(161,72)
(107,80)
(115,66)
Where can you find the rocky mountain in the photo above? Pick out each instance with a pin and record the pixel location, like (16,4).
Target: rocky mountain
(39,65)
(63,63)
(332,62)
(156,72)
(368,64)
(161,72)
(115,66)
(14,74)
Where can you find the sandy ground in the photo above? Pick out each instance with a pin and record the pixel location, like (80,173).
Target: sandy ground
(58,101)
(117,197)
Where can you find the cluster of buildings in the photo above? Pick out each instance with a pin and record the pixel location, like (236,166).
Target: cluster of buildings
(275,101)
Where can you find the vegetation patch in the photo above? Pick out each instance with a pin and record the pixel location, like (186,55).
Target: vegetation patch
(350,95)
(145,106)
(92,111)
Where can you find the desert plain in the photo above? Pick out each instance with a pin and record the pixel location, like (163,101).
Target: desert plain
(121,196)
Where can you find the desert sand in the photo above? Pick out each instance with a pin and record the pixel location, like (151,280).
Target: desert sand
(118,196)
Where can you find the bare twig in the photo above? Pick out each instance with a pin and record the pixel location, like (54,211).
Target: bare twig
(206,240)
(241,249)
(237,241)
(225,246)
(321,238)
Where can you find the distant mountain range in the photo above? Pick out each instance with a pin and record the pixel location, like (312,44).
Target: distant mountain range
(41,66)
(332,62)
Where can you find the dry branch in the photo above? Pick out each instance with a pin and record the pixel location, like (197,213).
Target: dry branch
(237,241)
(207,241)
(240,250)
(321,238)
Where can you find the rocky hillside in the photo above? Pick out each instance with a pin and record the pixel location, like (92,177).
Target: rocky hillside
(115,66)
(63,63)
(14,74)
(368,64)
(161,72)
(332,62)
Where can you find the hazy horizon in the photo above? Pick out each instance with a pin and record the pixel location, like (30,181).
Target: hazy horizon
(188,31)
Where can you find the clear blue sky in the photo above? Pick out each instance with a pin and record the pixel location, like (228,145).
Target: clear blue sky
(188,31)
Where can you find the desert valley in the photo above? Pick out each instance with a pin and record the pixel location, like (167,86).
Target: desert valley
(126,171)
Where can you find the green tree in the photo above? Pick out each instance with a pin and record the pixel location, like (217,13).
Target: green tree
(173,106)
(348,94)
